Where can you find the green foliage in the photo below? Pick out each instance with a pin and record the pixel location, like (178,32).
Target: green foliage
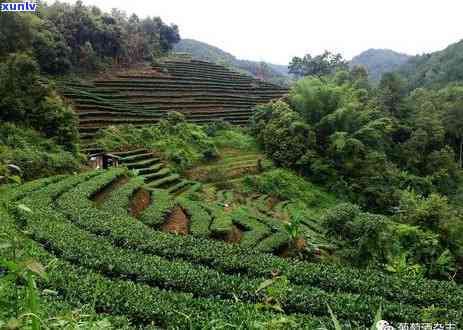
(131,264)
(24,303)
(157,212)
(16,272)
(276,289)
(282,132)
(293,229)
(25,100)
(21,26)
(430,232)
(319,65)
(178,141)
(365,237)
(285,185)
(119,200)
(435,69)
(366,144)
(90,264)
(314,99)
(430,212)
(35,155)
(200,219)
(234,137)
(392,93)
(83,38)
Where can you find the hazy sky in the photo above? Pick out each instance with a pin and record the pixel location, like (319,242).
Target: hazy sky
(275,31)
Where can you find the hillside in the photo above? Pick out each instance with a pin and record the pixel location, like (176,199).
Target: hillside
(143,187)
(202,91)
(221,256)
(200,50)
(435,69)
(379,61)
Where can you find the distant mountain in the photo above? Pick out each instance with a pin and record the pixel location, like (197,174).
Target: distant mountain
(266,71)
(435,69)
(379,61)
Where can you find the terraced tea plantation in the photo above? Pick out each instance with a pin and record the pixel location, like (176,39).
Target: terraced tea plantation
(156,174)
(202,91)
(117,249)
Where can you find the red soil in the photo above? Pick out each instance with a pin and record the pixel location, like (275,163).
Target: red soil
(140,201)
(235,235)
(177,223)
(290,251)
(103,194)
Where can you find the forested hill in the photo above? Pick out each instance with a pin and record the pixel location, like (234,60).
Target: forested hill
(435,69)
(200,50)
(379,61)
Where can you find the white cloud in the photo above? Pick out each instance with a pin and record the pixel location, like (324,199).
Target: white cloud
(276,31)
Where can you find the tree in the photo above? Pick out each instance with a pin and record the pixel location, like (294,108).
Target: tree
(314,99)
(392,91)
(285,136)
(16,32)
(320,65)
(25,100)
(50,50)
(454,126)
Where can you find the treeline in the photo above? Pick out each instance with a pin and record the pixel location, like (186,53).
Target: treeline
(64,37)
(391,151)
(368,142)
(60,39)
(435,69)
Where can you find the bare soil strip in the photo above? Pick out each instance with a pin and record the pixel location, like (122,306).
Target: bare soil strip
(139,202)
(177,223)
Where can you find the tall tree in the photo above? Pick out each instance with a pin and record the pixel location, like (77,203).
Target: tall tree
(319,65)
(392,92)
(454,126)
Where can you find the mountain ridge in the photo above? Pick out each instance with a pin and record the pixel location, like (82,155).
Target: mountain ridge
(378,61)
(274,73)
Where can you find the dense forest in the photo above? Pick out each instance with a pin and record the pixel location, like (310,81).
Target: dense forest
(62,37)
(436,69)
(143,188)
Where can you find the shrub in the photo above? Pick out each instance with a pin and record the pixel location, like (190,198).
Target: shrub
(429,212)
(35,155)
(162,204)
(234,138)
(285,184)
(338,217)
(232,259)
(27,101)
(365,238)
(179,142)
(282,133)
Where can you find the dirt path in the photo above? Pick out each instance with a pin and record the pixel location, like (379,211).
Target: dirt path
(104,193)
(140,201)
(177,223)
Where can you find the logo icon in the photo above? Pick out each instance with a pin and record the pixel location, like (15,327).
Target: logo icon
(18,6)
(383,325)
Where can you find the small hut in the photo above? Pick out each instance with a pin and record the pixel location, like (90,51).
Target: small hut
(103,160)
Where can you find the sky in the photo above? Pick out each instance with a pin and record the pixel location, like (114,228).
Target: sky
(276,30)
